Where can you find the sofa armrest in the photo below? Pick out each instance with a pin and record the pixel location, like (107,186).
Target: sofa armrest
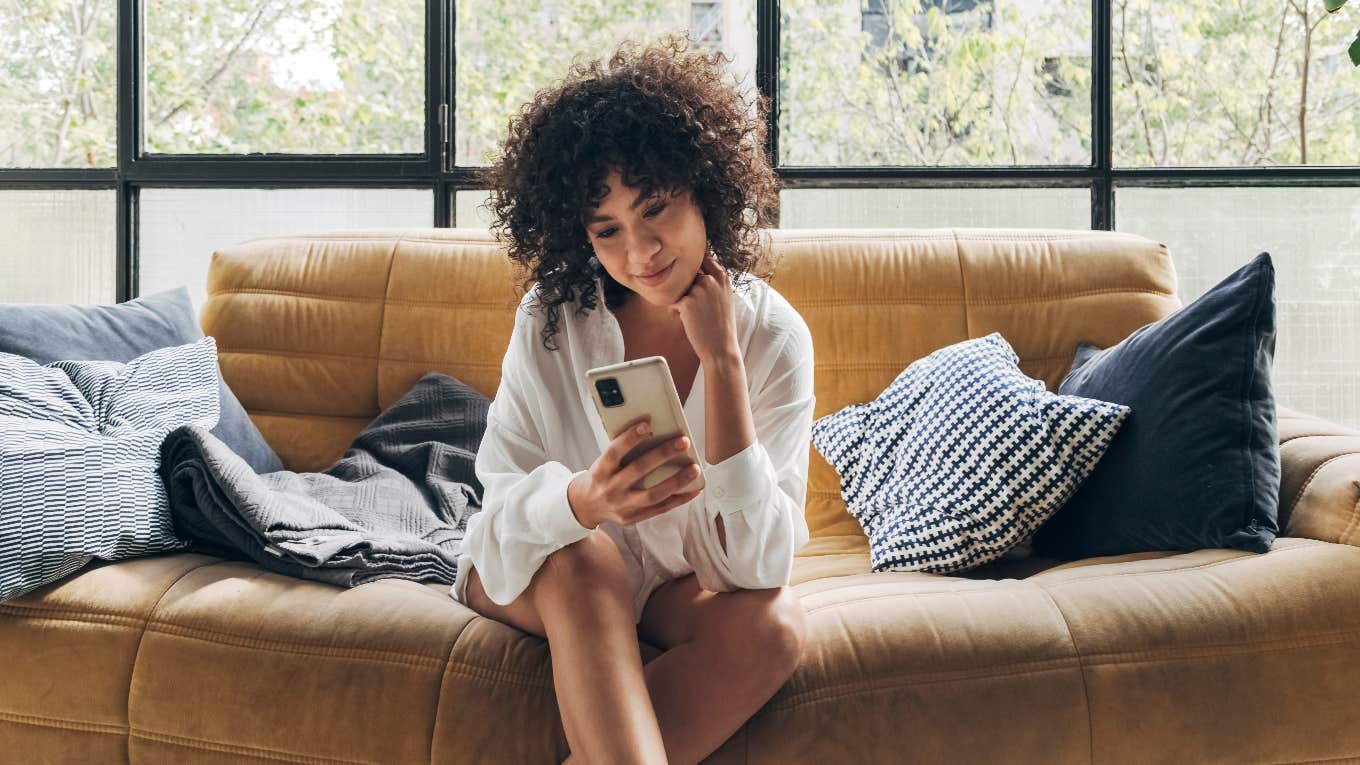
(1320,481)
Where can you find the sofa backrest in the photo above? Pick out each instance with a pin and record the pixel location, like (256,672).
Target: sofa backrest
(318,333)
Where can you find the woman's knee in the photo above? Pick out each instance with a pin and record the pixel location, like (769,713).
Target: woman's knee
(593,564)
(774,625)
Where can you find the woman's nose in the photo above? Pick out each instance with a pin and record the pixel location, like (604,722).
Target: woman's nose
(642,245)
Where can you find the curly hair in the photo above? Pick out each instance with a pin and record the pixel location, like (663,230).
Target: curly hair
(662,116)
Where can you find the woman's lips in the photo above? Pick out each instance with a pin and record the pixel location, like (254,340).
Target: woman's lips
(659,278)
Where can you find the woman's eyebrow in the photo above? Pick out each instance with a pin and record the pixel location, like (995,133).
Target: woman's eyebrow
(641,197)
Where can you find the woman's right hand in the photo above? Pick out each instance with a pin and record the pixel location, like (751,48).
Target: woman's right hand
(609,491)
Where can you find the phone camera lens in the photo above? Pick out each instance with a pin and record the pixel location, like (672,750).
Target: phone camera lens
(608,388)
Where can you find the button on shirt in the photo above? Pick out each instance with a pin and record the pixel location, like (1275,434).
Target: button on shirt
(543,430)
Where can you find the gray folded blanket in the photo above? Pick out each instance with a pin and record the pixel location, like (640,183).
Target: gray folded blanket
(395,505)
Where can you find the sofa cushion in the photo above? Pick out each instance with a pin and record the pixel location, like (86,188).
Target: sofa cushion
(962,457)
(186,658)
(122,332)
(79,450)
(1197,464)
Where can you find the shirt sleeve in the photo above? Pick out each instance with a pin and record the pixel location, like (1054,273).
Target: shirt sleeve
(760,491)
(525,516)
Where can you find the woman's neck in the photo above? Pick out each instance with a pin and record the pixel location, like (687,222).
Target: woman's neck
(654,319)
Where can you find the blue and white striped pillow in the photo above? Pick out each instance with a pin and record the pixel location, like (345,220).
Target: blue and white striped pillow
(962,457)
(79,452)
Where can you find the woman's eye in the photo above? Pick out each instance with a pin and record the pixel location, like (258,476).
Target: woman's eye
(656,210)
(605,234)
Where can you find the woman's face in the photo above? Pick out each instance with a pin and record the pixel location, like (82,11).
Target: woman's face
(662,236)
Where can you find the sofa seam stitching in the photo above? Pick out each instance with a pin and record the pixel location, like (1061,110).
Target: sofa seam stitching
(794,700)
(295,294)
(860,686)
(1081,671)
(1211,650)
(70,615)
(453,303)
(963,283)
(452,362)
(254,751)
(478,672)
(382,321)
(1246,555)
(1031,582)
(996,301)
(1355,518)
(43,721)
(291,353)
(448,662)
(1298,495)
(284,646)
(137,654)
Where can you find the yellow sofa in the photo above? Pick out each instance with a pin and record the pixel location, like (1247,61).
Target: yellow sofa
(1212,656)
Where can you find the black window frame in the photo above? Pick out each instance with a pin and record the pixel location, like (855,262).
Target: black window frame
(433,169)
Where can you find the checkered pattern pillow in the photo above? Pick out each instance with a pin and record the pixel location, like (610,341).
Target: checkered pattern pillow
(962,457)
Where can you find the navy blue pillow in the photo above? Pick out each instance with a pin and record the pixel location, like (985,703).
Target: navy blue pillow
(122,332)
(1197,462)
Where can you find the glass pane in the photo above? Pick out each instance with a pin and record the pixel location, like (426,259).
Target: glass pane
(296,76)
(508,52)
(1313,237)
(60,247)
(935,82)
(935,208)
(57,72)
(1203,83)
(467,209)
(180,228)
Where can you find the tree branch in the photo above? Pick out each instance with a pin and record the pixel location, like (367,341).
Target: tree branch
(231,55)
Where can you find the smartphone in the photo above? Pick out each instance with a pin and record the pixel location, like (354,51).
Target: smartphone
(642,390)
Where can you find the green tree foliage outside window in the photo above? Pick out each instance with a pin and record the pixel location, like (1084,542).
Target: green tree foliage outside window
(864,82)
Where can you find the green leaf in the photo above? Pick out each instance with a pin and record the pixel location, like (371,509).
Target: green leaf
(1334,5)
(1354,50)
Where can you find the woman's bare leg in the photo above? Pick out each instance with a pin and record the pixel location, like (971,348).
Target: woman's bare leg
(727,654)
(581,601)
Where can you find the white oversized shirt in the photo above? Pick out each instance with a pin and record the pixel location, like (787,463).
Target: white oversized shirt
(543,429)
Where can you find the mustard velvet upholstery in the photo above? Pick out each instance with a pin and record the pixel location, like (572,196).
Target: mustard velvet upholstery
(1208,656)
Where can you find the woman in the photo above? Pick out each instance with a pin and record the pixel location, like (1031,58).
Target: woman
(644,183)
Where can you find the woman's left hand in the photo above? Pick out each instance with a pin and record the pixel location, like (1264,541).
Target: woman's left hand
(706,311)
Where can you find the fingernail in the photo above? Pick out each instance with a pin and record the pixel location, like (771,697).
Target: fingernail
(642,430)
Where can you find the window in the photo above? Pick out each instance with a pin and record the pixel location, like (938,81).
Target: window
(1223,84)
(182,227)
(1221,129)
(57,63)
(945,82)
(935,208)
(60,248)
(503,58)
(298,76)
(1313,237)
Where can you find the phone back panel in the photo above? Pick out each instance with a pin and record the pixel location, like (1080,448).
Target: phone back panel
(648,395)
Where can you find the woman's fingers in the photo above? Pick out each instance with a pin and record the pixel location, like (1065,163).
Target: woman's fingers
(654,457)
(673,484)
(665,505)
(624,443)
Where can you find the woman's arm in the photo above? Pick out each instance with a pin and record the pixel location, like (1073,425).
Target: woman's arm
(756,487)
(525,516)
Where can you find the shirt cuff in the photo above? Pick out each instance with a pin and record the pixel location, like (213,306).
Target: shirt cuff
(557,519)
(738,481)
